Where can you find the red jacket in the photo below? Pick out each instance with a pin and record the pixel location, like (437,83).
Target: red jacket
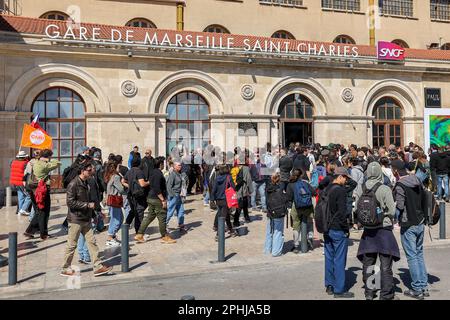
(17,170)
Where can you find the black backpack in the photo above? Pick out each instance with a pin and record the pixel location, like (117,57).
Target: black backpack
(322,217)
(240,179)
(367,208)
(69,174)
(431,210)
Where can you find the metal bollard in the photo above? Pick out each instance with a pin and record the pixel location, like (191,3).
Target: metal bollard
(221,230)
(442,221)
(125,248)
(304,236)
(8,197)
(12,259)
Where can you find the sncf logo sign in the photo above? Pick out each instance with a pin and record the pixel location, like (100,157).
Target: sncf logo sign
(390,51)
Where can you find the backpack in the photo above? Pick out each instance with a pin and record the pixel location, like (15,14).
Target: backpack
(322,217)
(136,190)
(240,179)
(431,215)
(100,173)
(321,171)
(367,209)
(69,174)
(302,195)
(32,181)
(314,179)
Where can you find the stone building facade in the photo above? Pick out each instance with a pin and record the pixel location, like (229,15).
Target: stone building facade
(125,92)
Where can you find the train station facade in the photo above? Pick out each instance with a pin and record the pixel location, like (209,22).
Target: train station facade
(115,87)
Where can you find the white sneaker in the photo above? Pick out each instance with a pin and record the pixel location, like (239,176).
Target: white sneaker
(24,213)
(112,243)
(146,237)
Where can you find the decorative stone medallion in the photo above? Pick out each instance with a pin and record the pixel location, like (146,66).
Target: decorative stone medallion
(129,89)
(347,95)
(247,92)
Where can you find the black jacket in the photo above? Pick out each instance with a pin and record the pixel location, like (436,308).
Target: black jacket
(78,198)
(440,163)
(276,201)
(147,166)
(286,165)
(337,201)
(302,162)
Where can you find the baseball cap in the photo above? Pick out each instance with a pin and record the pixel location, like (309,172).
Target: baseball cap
(341,171)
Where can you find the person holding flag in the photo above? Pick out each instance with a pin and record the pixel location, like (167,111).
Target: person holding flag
(38,181)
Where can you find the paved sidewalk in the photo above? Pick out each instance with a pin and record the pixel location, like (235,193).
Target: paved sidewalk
(39,261)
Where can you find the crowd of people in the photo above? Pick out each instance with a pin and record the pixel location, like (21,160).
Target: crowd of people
(290,184)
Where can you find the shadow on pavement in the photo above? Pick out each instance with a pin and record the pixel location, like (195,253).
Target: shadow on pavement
(32,277)
(58,216)
(230,256)
(351,276)
(138,266)
(41,249)
(405,277)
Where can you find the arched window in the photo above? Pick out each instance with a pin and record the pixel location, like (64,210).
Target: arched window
(215,28)
(296,119)
(61,113)
(187,122)
(400,43)
(387,128)
(344,39)
(140,23)
(55,15)
(281,34)
(446,46)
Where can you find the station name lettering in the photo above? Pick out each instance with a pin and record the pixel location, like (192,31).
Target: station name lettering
(187,40)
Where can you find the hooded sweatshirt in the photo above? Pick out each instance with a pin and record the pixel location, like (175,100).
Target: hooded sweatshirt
(383,193)
(410,181)
(220,185)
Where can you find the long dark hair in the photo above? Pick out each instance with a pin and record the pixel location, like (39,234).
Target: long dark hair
(111,169)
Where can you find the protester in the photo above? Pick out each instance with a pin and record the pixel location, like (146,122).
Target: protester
(147,164)
(379,240)
(40,195)
(114,192)
(134,154)
(157,204)
(79,217)
(134,181)
(175,203)
(259,179)
(27,172)
(221,183)
(276,210)
(244,189)
(18,166)
(299,194)
(286,166)
(336,238)
(408,197)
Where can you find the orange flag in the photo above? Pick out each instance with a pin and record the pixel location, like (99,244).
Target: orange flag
(35,138)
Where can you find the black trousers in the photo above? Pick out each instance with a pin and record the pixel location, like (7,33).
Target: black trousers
(386,275)
(239,210)
(223,211)
(40,219)
(192,181)
(138,207)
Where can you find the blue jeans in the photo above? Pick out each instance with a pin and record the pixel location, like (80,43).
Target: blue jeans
(336,247)
(83,251)
(23,199)
(261,188)
(440,179)
(412,241)
(206,196)
(274,237)
(126,206)
(175,204)
(115,221)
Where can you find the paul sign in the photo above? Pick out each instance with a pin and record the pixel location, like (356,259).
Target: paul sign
(389,51)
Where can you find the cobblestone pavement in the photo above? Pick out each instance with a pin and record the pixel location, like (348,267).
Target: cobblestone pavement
(39,261)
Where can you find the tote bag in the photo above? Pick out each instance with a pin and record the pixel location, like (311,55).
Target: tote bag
(230,193)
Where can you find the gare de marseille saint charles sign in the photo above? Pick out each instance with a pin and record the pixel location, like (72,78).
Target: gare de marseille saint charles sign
(187,40)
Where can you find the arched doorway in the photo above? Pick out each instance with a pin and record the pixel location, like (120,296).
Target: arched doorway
(188,123)
(296,119)
(62,114)
(388,124)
